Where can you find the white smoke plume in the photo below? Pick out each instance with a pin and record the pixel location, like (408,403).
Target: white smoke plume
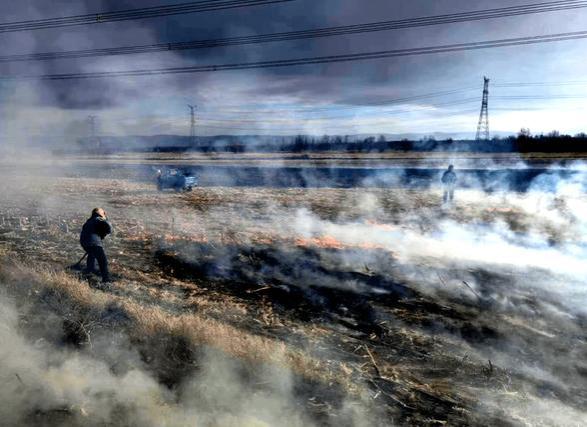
(44,383)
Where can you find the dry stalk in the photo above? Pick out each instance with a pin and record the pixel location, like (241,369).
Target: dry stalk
(377,371)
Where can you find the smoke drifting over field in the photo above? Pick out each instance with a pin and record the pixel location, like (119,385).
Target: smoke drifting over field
(515,260)
(518,258)
(104,378)
(512,262)
(282,295)
(540,262)
(107,383)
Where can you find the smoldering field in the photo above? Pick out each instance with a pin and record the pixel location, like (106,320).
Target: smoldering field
(291,306)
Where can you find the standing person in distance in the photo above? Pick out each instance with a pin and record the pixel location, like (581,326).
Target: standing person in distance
(449,181)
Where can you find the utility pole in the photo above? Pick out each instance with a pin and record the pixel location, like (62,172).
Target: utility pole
(483,125)
(94,140)
(92,126)
(192,123)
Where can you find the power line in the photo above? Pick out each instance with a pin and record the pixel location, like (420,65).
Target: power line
(230,124)
(432,108)
(298,129)
(489,44)
(331,117)
(131,14)
(383,115)
(306,34)
(322,123)
(217,116)
(391,102)
(551,83)
(538,97)
(233,124)
(213,119)
(380,103)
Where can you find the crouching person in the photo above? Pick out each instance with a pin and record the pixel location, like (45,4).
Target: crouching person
(93,232)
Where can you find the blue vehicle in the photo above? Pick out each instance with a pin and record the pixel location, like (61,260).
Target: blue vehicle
(176,180)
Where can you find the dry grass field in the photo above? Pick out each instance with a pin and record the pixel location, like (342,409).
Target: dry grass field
(260,306)
(399,158)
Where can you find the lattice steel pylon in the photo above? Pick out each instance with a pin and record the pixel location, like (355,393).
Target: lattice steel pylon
(94,140)
(192,122)
(483,125)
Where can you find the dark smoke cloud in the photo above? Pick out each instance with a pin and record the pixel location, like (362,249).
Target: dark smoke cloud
(407,74)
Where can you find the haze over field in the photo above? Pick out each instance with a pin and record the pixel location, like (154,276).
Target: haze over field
(297,251)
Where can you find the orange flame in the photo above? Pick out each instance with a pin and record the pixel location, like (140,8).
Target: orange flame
(330,242)
(193,238)
(323,242)
(386,227)
(320,242)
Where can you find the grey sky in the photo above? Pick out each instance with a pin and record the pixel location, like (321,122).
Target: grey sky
(269,101)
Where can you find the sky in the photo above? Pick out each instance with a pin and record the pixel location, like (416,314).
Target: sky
(342,98)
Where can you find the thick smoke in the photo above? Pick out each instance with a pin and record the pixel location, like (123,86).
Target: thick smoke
(538,253)
(107,383)
(518,256)
(529,246)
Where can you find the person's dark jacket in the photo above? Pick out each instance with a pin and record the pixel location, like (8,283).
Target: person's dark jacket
(94,230)
(449,178)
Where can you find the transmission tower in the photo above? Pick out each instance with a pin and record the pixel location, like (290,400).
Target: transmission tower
(92,126)
(94,140)
(483,126)
(192,123)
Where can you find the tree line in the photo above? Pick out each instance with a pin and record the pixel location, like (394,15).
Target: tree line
(523,142)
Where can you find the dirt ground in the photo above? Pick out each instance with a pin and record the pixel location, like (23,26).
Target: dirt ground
(410,338)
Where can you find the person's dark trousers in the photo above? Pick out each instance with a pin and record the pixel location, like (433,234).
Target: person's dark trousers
(96,253)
